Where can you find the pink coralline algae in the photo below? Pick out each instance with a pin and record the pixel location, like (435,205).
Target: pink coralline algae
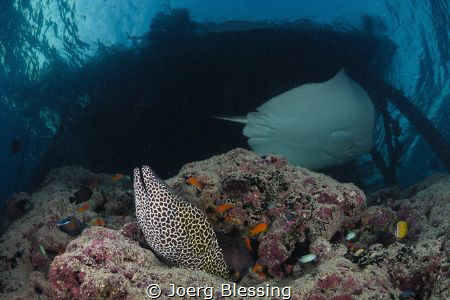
(329,282)
(273,254)
(324,213)
(105,264)
(72,275)
(379,219)
(68,281)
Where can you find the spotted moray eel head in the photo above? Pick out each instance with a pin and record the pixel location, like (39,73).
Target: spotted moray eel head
(177,231)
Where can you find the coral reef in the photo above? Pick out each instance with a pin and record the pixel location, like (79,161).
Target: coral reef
(104,264)
(30,244)
(269,211)
(298,205)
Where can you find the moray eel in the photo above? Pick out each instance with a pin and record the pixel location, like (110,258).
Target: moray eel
(175,230)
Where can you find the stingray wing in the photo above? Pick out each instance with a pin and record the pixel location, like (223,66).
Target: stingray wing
(314,125)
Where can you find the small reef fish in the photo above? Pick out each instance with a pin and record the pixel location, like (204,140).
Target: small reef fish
(402,229)
(84,207)
(248,243)
(260,228)
(71,225)
(98,222)
(42,249)
(195,182)
(118,176)
(223,208)
(351,236)
(259,269)
(359,252)
(307,258)
(82,195)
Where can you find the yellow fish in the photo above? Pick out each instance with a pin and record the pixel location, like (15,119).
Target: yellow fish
(402,229)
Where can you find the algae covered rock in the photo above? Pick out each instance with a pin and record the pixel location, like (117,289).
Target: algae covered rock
(295,206)
(266,215)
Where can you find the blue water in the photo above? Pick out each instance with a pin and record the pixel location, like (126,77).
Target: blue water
(43,43)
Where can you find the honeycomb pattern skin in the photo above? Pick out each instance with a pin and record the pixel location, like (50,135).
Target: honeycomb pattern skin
(177,231)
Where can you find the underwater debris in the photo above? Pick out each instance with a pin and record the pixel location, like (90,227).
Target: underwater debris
(82,195)
(71,225)
(165,220)
(402,229)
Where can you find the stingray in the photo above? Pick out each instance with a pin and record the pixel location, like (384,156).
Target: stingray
(315,125)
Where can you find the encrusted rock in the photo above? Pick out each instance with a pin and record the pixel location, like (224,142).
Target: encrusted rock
(305,213)
(298,205)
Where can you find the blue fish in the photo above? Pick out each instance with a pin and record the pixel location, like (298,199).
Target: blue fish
(71,225)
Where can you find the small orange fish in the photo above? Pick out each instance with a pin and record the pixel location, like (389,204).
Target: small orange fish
(248,243)
(118,176)
(98,222)
(260,228)
(195,182)
(259,269)
(84,207)
(223,208)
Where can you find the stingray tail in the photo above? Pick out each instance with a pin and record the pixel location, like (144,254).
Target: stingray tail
(236,119)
